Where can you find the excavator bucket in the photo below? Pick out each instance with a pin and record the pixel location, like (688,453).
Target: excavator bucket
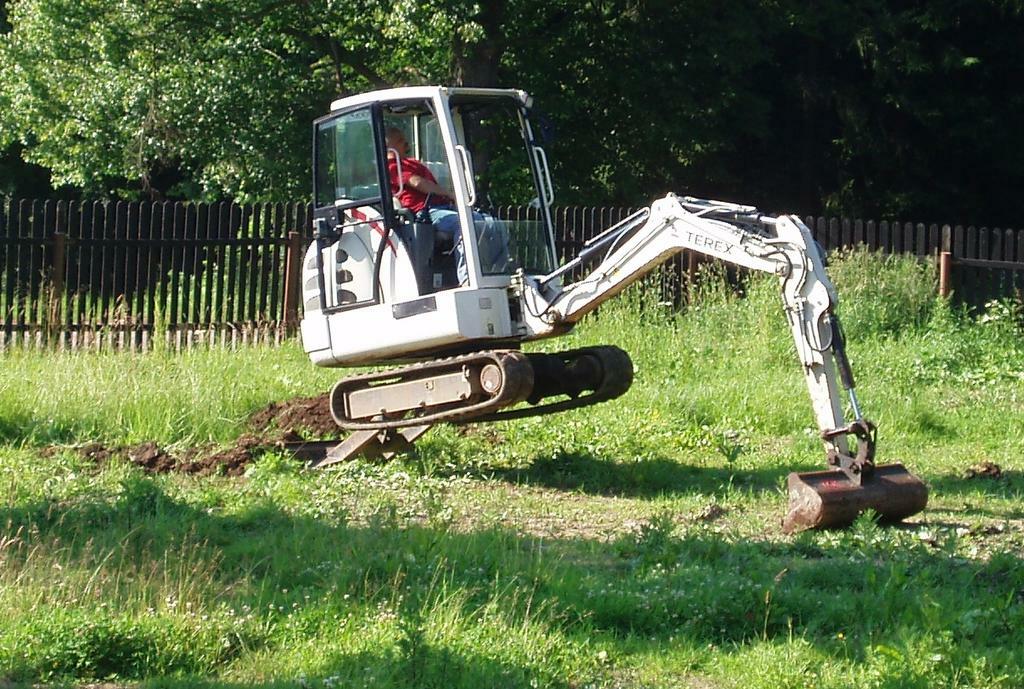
(828,499)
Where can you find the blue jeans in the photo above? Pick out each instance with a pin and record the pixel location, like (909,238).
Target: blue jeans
(492,240)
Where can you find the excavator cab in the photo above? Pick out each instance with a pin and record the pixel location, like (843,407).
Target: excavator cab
(375,260)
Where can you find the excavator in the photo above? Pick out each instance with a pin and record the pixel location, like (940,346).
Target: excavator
(446,313)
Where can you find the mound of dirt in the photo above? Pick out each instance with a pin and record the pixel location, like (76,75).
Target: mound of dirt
(98,453)
(151,458)
(710,513)
(155,460)
(984,469)
(145,455)
(228,462)
(278,422)
(311,414)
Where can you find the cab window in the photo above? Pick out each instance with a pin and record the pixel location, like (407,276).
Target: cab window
(346,161)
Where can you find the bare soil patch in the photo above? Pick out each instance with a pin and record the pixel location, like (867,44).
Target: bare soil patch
(279,422)
(156,460)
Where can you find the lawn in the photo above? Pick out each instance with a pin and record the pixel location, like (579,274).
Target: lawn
(632,544)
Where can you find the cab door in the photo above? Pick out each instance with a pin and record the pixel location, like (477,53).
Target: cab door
(353,219)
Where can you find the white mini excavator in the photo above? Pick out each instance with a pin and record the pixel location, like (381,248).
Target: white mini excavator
(451,309)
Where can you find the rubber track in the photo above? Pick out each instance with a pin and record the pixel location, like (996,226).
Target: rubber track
(517,375)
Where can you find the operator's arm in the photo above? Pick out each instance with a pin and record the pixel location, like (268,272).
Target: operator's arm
(425,185)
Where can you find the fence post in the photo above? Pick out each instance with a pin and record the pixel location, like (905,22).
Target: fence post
(691,273)
(945,273)
(292,274)
(57,281)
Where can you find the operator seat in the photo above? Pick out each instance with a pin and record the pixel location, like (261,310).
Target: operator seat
(432,256)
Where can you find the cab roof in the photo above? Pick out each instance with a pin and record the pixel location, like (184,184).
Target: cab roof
(428,92)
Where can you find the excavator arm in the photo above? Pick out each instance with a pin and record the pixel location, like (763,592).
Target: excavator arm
(782,246)
(739,235)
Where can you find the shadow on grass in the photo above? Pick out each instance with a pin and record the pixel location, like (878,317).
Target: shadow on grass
(424,667)
(587,473)
(298,573)
(18,428)
(976,491)
(459,605)
(1009,484)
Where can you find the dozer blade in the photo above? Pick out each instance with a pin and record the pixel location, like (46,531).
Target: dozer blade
(826,499)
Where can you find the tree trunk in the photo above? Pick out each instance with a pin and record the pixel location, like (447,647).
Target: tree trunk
(476,63)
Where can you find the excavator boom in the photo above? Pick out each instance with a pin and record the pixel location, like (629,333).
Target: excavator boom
(782,246)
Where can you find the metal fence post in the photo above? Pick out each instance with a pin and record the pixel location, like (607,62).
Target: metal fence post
(292,275)
(945,274)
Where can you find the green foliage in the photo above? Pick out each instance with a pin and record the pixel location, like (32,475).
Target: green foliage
(108,645)
(882,294)
(868,108)
(204,98)
(596,69)
(1005,316)
(652,544)
(159,396)
(933,76)
(103,94)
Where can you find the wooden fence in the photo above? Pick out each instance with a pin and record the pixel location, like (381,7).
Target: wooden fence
(977,263)
(94,272)
(97,274)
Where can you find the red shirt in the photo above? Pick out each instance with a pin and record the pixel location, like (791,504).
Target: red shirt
(410,198)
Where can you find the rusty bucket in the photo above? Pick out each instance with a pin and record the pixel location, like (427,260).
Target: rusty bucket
(828,499)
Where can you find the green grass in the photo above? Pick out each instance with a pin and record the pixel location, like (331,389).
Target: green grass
(634,544)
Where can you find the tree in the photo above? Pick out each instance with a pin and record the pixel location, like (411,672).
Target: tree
(872,107)
(935,130)
(891,109)
(193,97)
(102,93)
(645,96)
